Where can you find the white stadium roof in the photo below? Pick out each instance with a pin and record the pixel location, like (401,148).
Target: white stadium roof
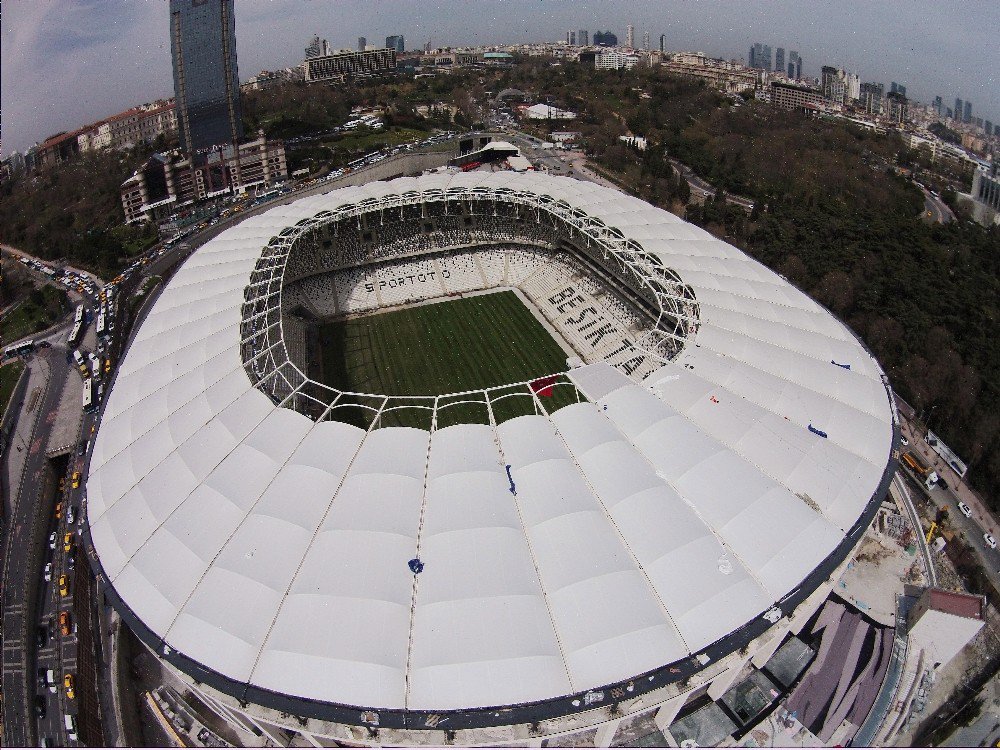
(648,522)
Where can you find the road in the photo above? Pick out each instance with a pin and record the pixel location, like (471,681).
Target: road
(972,528)
(23,546)
(935,209)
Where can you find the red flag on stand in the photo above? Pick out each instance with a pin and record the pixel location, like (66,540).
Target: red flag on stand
(543,386)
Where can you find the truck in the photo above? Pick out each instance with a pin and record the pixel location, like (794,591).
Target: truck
(919,468)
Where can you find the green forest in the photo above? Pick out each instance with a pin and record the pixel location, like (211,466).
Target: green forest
(832,216)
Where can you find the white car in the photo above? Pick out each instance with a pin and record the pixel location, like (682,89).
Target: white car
(903,440)
(990,541)
(966,510)
(48,572)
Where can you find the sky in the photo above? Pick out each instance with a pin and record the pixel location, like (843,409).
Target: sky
(66,63)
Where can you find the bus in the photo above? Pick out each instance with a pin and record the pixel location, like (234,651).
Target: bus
(20,349)
(101,324)
(88,395)
(78,317)
(75,335)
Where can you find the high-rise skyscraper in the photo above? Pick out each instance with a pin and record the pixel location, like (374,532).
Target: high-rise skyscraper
(779,60)
(206,80)
(645,40)
(760,56)
(317,48)
(967,114)
(988,127)
(937,105)
(871,97)
(897,88)
(396,42)
(583,38)
(663,42)
(605,39)
(362,43)
(571,38)
(630,36)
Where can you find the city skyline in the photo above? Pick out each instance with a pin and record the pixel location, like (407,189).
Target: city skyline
(63,67)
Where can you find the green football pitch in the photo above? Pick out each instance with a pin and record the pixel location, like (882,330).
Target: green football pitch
(448,347)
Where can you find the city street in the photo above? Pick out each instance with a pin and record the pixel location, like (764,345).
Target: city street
(935,209)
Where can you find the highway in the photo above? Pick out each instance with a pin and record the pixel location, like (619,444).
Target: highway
(24,551)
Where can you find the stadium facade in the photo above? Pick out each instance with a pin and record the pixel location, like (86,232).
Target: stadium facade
(538,573)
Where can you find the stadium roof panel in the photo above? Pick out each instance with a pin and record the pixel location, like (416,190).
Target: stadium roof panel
(643,526)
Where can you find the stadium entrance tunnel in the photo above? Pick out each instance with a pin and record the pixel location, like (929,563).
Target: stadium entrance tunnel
(426,309)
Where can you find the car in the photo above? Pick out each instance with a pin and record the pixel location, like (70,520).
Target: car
(70,685)
(67,541)
(62,484)
(965,509)
(71,515)
(71,561)
(76,474)
(52,540)
(903,440)
(47,574)
(42,682)
(58,511)
(65,623)
(107,365)
(990,541)
(64,585)
(81,449)
(40,707)
(41,636)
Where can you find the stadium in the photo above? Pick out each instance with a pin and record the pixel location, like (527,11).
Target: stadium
(478,458)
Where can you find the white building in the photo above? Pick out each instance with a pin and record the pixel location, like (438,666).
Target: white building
(548,112)
(613,59)
(942,622)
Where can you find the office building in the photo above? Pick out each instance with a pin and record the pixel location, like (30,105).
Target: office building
(129,128)
(896,107)
(937,105)
(362,44)
(630,36)
(317,48)
(346,64)
(173,180)
(871,96)
(958,109)
(206,81)
(396,43)
(605,39)
(779,60)
(853,84)
(897,88)
(583,37)
(725,75)
(967,113)
(663,43)
(988,127)
(793,96)
(796,60)
(833,82)
(942,622)
(571,38)
(760,56)
(645,40)
(612,59)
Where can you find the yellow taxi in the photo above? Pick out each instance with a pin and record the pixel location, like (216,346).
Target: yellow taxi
(67,541)
(64,585)
(70,686)
(76,480)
